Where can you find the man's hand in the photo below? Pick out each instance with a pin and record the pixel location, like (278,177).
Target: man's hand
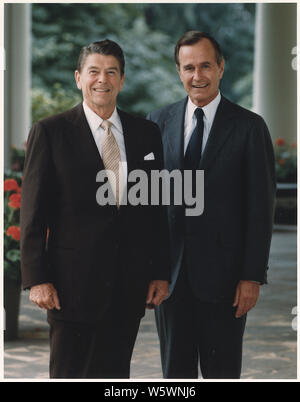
(246,296)
(157,292)
(45,296)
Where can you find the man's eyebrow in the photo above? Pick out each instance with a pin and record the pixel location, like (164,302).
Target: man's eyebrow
(188,66)
(93,68)
(97,68)
(201,64)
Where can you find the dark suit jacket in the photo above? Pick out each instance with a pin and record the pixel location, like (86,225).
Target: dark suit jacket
(89,246)
(230,241)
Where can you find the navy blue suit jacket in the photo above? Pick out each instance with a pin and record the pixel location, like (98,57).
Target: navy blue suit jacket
(230,241)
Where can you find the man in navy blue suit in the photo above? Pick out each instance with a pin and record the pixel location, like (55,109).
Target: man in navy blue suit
(220,258)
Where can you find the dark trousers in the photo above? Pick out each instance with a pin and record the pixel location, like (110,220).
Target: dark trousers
(98,350)
(193,332)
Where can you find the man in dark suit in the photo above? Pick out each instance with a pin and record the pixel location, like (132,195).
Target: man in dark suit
(219,259)
(102,262)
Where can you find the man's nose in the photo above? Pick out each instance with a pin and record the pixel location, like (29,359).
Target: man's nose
(198,74)
(102,77)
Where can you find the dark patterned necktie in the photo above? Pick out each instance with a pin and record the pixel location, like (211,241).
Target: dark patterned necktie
(194,149)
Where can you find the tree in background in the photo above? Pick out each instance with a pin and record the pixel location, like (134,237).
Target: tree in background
(147,33)
(231,24)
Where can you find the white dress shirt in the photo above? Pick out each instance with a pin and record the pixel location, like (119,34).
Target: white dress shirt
(95,121)
(190,120)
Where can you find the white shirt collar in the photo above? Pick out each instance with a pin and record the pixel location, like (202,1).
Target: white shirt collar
(209,109)
(95,121)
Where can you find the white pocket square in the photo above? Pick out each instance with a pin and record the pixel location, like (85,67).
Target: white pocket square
(149,157)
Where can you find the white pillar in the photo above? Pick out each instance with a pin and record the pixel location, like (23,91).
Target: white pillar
(275,78)
(17,77)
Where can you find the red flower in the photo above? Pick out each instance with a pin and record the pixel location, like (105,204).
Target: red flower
(281,161)
(279,142)
(15,201)
(14,232)
(10,185)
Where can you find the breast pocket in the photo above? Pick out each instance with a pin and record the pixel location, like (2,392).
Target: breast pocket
(149,164)
(142,172)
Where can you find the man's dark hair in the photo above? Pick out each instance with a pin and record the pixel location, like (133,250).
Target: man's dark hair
(193,37)
(106,47)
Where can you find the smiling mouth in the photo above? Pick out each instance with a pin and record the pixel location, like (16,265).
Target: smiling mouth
(101,90)
(200,86)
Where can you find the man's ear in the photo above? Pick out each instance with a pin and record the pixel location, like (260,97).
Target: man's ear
(77,79)
(178,71)
(222,66)
(122,82)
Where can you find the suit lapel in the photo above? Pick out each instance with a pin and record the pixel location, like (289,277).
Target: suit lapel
(81,137)
(174,138)
(82,140)
(131,140)
(174,135)
(221,130)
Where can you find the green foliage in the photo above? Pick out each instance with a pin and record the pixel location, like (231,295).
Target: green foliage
(152,77)
(17,156)
(147,33)
(243,90)
(231,24)
(60,30)
(44,104)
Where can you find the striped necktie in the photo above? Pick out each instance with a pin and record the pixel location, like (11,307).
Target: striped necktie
(111,159)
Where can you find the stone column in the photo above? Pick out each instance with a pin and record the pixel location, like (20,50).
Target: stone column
(275,76)
(17,76)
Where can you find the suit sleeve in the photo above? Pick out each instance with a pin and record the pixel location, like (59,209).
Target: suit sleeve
(34,208)
(260,195)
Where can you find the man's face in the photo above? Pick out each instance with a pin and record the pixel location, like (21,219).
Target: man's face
(200,72)
(100,81)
